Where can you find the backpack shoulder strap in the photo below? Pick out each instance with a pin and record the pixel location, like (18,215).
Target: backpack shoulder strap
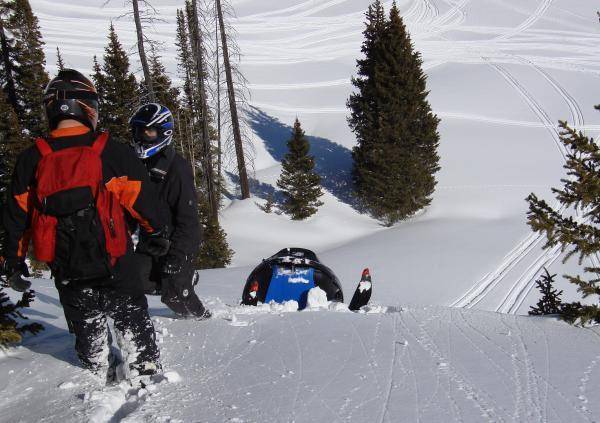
(43,146)
(100,143)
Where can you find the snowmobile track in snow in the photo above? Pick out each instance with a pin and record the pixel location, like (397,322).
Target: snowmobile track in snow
(517,293)
(535,16)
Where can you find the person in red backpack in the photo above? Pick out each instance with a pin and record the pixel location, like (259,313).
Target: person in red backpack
(69,194)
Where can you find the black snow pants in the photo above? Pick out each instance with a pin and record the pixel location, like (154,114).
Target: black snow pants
(176,291)
(87,310)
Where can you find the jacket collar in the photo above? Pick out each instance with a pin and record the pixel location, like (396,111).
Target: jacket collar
(69,132)
(158,168)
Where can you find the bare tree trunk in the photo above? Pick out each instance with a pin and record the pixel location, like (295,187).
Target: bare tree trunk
(180,136)
(10,82)
(237,135)
(219,146)
(207,153)
(192,155)
(142,52)
(188,124)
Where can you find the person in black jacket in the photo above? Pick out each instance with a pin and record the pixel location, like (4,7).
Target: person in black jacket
(71,104)
(172,276)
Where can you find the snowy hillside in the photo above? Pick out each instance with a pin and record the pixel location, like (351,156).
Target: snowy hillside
(501,74)
(428,364)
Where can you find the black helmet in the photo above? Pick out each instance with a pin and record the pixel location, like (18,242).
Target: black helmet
(70,95)
(154,116)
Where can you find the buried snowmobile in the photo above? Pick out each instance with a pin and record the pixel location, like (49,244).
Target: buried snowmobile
(292,273)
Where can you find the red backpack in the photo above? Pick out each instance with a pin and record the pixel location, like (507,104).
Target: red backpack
(78,226)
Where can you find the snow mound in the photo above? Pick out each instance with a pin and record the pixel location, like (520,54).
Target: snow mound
(172,377)
(317,299)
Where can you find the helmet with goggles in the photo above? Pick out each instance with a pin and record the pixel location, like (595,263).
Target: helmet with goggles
(152,129)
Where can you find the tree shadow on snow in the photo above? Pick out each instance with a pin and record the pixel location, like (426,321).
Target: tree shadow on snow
(258,188)
(333,162)
(47,299)
(53,341)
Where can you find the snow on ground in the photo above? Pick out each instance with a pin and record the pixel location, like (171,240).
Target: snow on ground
(274,364)
(501,74)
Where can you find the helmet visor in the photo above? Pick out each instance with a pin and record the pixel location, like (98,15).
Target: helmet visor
(145,135)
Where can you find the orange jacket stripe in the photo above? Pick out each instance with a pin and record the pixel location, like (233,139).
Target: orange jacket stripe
(128,192)
(23,201)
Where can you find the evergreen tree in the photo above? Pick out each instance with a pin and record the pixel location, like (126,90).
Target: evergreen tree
(269,205)
(30,76)
(10,330)
(11,144)
(300,184)
(7,71)
(550,303)
(117,89)
(59,60)
(164,91)
(214,251)
(98,79)
(185,63)
(396,156)
(576,235)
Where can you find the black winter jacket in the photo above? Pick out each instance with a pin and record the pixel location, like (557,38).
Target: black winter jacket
(173,178)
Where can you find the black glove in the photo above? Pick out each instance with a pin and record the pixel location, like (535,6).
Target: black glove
(12,270)
(156,244)
(171,265)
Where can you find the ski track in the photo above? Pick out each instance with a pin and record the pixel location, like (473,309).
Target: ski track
(539,378)
(456,414)
(516,361)
(299,370)
(412,370)
(453,365)
(536,15)
(544,406)
(535,107)
(370,361)
(477,396)
(386,403)
(585,379)
(518,291)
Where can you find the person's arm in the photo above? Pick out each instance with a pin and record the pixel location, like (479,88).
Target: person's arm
(183,201)
(133,189)
(16,214)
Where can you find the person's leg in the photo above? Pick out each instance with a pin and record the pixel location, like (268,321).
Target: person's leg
(135,332)
(87,320)
(128,307)
(178,294)
(144,265)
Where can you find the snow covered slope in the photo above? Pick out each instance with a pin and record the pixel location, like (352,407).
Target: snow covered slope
(501,73)
(429,364)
